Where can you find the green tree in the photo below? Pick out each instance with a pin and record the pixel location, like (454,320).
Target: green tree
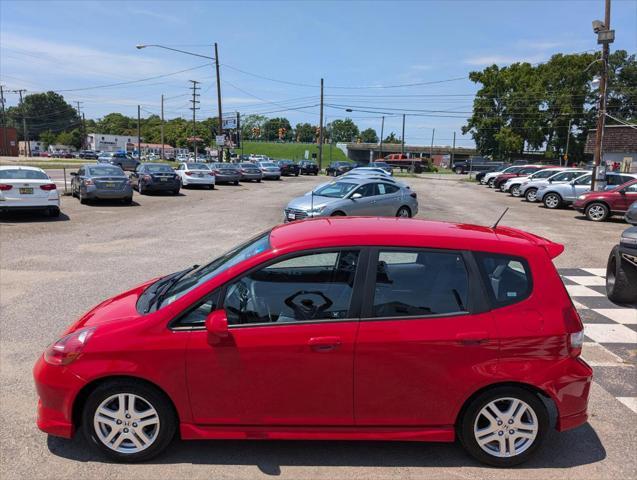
(392,138)
(305,132)
(249,122)
(271,127)
(117,124)
(48,138)
(369,136)
(343,130)
(43,112)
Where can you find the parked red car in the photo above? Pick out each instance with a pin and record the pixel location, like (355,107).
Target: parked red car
(524,171)
(598,206)
(335,328)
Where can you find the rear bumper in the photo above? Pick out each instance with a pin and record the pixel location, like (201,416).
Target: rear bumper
(30,204)
(570,393)
(109,194)
(227,178)
(271,175)
(161,186)
(251,176)
(207,180)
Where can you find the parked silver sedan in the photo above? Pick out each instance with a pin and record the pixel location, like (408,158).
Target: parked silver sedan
(358,197)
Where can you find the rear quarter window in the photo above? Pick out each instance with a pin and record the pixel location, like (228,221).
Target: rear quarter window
(507,279)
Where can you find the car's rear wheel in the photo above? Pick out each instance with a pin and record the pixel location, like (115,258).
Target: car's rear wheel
(404,212)
(140,189)
(82,198)
(552,201)
(531,195)
(338,213)
(258,180)
(458,171)
(128,421)
(236,182)
(54,211)
(503,426)
(621,282)
(597,212)
(491,182)
(127,201)
(515,191)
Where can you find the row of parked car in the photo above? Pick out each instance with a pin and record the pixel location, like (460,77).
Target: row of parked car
(559,187)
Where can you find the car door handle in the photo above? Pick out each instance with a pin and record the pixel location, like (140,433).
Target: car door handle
(324,344)
(472,338)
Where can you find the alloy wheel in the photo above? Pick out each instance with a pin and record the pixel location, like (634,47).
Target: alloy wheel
(596,212)
(551,201)
(403,212)
(506,427)
(515,190)
(531,195)
(126,423)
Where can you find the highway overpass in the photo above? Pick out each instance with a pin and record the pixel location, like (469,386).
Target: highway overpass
(360,152)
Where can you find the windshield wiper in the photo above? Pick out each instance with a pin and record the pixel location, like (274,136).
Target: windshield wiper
(159,296)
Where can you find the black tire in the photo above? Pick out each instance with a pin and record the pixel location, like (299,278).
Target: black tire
(531,195)
(54,212)
(161,404)
(552,200)
(73,193)
(597,211)
(338,213)
(236,182)
(176,192)
(491,183)
(212,187)
(621,279)
(82,198)
(296,174)
(404,212)
(515,191)
(127,201)
(258,180)
(140,189)
(466,424)
(458,171)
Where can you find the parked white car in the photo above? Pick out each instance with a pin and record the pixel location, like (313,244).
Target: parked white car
(191,173)
(28,188)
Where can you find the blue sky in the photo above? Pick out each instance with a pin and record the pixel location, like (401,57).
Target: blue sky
(52,45)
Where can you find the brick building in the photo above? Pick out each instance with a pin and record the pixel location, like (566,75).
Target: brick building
(619,146)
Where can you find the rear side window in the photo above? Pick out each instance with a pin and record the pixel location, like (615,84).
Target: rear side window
(419,283)
(507,279)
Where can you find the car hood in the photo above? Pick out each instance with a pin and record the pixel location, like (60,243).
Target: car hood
(306,202)
(118,308)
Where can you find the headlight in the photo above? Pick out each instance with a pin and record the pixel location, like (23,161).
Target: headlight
(316,209)
(524,183)
(581,197)
(631,242)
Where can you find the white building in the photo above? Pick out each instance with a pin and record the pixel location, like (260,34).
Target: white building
(101,142)
(33,147)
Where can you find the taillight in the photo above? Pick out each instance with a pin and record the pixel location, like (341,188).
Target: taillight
(4,187)
(188,173)
(413,195)
(48,186)
(574,329)
(88,181)
(211,174)
(68,348)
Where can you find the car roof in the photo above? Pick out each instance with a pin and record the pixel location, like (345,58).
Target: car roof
(324,232)
(20,167)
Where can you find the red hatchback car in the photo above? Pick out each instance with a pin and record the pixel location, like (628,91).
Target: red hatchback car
(598,206)
(335,328)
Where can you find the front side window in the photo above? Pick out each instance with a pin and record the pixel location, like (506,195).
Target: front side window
(631,188)
(583,180)
(196,315)
(419,283)
(366,190)
(335,190)
(508,279)
(565,176)
(316,286)
(543,174)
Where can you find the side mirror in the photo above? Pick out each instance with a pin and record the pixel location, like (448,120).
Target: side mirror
(550,180)
(355,196)
(217,324)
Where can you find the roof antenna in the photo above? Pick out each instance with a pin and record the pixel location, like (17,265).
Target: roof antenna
(500,218)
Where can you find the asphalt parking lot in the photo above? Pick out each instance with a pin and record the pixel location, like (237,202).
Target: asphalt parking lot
(53,270)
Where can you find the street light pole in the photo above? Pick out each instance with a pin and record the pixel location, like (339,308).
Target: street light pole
(382,131)
(219,96)
(320,146)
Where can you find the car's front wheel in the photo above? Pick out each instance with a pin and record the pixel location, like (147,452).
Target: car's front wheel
(531,195)
(552,200)
(597,212)
(491,182)
(128,421)
(458,171)
(515,190)
(621,279)
(503,426)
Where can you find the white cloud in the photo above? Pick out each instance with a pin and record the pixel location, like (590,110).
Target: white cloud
(156,15)
(540,44)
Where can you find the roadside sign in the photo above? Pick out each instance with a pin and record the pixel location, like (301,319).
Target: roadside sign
(307,155)
(229,123)
(220,140)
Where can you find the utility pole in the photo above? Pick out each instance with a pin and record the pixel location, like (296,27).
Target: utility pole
(84,144)
(604,36)
(320,146)
(5,147)
(431,150)
(568,140)
(402,148)
(194,109)
(453,150)
(219,97)
(139,133)
(382,131)
(163,157)
(79,115)
(25,133)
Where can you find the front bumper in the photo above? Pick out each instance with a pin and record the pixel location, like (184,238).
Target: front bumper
(57,388)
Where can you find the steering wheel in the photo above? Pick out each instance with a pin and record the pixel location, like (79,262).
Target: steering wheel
(306,309)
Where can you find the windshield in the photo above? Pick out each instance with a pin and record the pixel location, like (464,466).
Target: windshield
(159,169)
(19,174)
(201,275)
(197,166)
(336,190)
(104,171)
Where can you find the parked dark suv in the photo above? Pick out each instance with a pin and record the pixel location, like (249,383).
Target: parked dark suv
(621,269)
(308,167)
(288,167)
(335,169)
